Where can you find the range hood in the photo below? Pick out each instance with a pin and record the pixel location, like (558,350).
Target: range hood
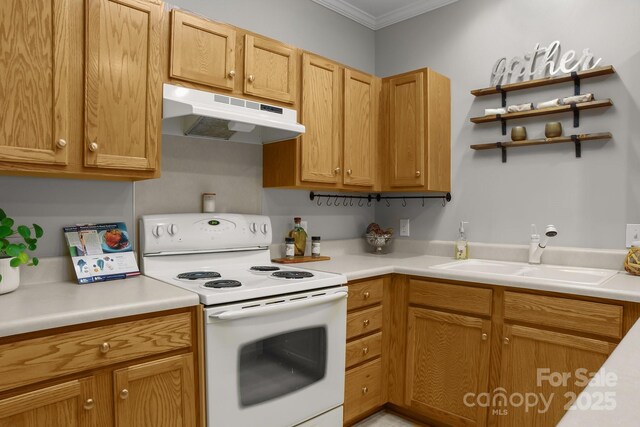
(200,114)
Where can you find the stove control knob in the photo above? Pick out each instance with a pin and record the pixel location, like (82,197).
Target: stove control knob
(158,231)
(173,229)
(264,228)
(253,227)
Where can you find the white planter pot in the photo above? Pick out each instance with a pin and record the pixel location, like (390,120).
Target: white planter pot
(10,276)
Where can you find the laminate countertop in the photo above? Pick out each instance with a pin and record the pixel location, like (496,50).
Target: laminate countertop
(42,306)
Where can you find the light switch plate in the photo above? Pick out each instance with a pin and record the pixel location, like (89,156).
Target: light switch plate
(633,233)
(404,227)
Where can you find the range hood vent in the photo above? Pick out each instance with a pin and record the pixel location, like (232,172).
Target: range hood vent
(200,114)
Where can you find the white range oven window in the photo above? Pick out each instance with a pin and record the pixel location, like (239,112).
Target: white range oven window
(275,363)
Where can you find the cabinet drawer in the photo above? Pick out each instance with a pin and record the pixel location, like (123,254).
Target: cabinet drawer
(583,316)
(38,359)
(365,293)
(363,389)
(451,297)
(365,321)
(364,349)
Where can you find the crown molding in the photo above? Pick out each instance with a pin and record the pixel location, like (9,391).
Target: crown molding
(376,23)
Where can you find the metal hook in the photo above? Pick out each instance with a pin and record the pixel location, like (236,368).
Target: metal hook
(351,201)
(387,202)
(360,203)
(404,202)
(319,202)
(344,201)
(336,202)
(328,201)
(369,203)
(444,202)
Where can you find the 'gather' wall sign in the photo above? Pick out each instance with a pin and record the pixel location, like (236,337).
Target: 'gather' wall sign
(541,62)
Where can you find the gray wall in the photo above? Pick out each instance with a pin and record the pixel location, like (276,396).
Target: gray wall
(590,199)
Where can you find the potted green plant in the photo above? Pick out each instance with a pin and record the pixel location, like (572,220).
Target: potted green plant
(15,242)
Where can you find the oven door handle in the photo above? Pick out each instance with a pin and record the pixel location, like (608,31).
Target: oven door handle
(278,308)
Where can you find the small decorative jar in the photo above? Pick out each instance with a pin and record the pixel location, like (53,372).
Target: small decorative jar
(518,133)
(553,129)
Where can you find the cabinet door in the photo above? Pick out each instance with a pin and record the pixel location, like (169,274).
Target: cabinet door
(70,404)
(529,357)
(34,87)
(447,358)
(156,394)
(123,84)
(202,51)
(360,112)
(270,69)
(406,131)
(321,116)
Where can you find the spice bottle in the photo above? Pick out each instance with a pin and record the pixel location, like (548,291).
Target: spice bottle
(299,236)
(315,246)
(289,250)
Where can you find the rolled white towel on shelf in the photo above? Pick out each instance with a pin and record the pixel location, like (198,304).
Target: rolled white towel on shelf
(493,111)
(578,98)
(549,104)
(521,107)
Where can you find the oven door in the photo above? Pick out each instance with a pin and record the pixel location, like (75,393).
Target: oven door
(275,362)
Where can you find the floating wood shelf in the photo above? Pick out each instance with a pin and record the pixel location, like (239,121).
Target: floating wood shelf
(544,111)
(546,81)
(576,139)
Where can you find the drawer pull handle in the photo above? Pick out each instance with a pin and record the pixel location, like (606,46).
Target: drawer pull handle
(232,74)
(365,350)
(93,147)
(484,337)
(105,347)
(124,393)
(366,322)
(365,390)
(366,295)
(61,143)
(89,404)
(506,340)
(418,173)
(251,78)
(337,170)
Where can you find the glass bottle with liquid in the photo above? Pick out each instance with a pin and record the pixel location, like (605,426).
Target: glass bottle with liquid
(299,236)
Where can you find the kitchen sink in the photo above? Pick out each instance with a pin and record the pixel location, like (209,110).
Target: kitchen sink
(554,273)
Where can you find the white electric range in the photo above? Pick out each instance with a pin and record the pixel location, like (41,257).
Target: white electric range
(274,334)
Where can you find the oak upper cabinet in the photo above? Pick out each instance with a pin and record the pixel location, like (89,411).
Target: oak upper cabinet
(34,88)
(270,69)
(158,393)
(321,144)
(202,51)
(63,405)
(447,357)
(418,132)
(360,128)
(123,84)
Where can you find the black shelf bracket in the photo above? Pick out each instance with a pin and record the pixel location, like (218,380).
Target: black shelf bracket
(576,115)
(347,200)
(578,145)
(504,124)
(576,83)
(504,152)
(503,94)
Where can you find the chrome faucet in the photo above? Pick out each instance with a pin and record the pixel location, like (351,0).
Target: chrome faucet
(536,247)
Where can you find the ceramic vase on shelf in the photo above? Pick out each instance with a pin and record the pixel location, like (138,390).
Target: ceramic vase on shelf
(518,133)
(10,276)
(553,129)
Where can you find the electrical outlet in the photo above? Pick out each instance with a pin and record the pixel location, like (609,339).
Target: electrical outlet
(404,227)
(633,233)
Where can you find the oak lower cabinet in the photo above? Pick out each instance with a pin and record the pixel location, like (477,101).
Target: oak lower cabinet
(417,134)
(136,372)
(364,377)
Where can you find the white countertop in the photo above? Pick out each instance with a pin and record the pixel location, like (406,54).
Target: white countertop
(50,305)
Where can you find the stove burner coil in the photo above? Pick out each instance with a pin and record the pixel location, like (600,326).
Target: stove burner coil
(292,274)
(264,268)
(195,275)
(221,284)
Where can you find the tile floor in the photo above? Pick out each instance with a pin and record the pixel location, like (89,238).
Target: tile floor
(384,419)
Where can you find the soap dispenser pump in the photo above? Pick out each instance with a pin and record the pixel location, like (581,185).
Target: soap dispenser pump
(462,245)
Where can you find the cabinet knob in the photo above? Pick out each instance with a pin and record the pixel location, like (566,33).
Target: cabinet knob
(93,146)
(89,404)
(365,390)
(418,173)
(61,143)
(506,340)
(366,322)
(484,337)
(366,295)
(337,170)
(365,350)
(124,393)
(105,347)
(232,74)
(251,78)
(349,171)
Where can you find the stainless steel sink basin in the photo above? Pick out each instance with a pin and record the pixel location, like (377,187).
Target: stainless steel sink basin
(554,273)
